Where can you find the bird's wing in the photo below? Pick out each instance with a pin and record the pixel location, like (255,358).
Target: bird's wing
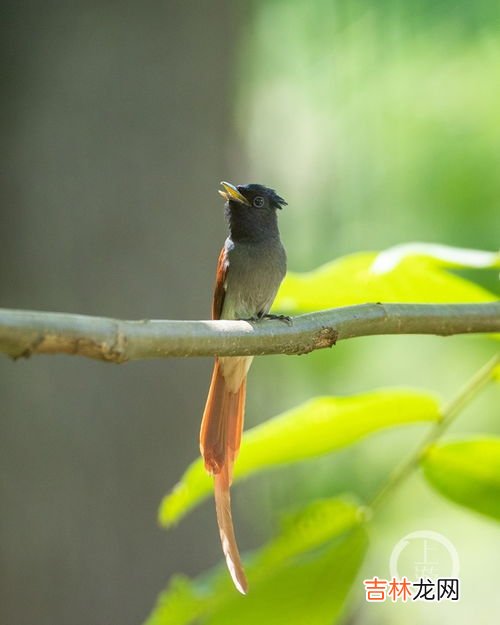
(220,284)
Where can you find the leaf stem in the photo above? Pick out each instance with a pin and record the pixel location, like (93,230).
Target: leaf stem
(449,413)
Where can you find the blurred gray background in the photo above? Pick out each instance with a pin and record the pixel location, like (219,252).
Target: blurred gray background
(116,127)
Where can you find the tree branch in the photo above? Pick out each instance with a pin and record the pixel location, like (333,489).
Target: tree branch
(23,333)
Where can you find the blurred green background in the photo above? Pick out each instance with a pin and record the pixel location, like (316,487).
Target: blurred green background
(377,121)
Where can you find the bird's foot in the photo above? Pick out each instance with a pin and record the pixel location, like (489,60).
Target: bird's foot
(285,318)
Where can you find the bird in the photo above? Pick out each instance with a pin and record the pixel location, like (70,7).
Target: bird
(250,269)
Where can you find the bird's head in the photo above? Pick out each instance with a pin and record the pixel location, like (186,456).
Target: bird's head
(251,211)
(255,196)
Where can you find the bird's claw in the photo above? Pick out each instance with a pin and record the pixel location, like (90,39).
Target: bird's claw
(285,318)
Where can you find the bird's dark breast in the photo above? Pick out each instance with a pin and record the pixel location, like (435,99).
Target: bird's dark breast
(254,275)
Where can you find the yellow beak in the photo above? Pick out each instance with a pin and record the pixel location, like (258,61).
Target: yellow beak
(231,193)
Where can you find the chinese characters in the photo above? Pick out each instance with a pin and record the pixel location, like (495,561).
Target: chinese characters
(441,589)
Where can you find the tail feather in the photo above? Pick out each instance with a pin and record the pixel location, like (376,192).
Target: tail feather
(222,423)
(226,529)
(212,433)
(235,428)
(220,438)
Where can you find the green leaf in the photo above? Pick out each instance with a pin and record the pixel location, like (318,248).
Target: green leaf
(302,576)
(317,427)
(406,273)
(496,373)
(467,472)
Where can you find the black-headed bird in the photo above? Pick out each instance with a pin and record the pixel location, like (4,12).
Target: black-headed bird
(250,269)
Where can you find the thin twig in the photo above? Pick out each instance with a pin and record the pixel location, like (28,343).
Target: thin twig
(449,413)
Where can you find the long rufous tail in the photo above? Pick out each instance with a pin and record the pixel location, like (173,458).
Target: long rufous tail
(220,438)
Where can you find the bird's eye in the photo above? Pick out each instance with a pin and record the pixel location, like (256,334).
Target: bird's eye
(258,201)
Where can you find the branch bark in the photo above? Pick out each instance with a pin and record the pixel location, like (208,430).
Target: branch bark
(24,333)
